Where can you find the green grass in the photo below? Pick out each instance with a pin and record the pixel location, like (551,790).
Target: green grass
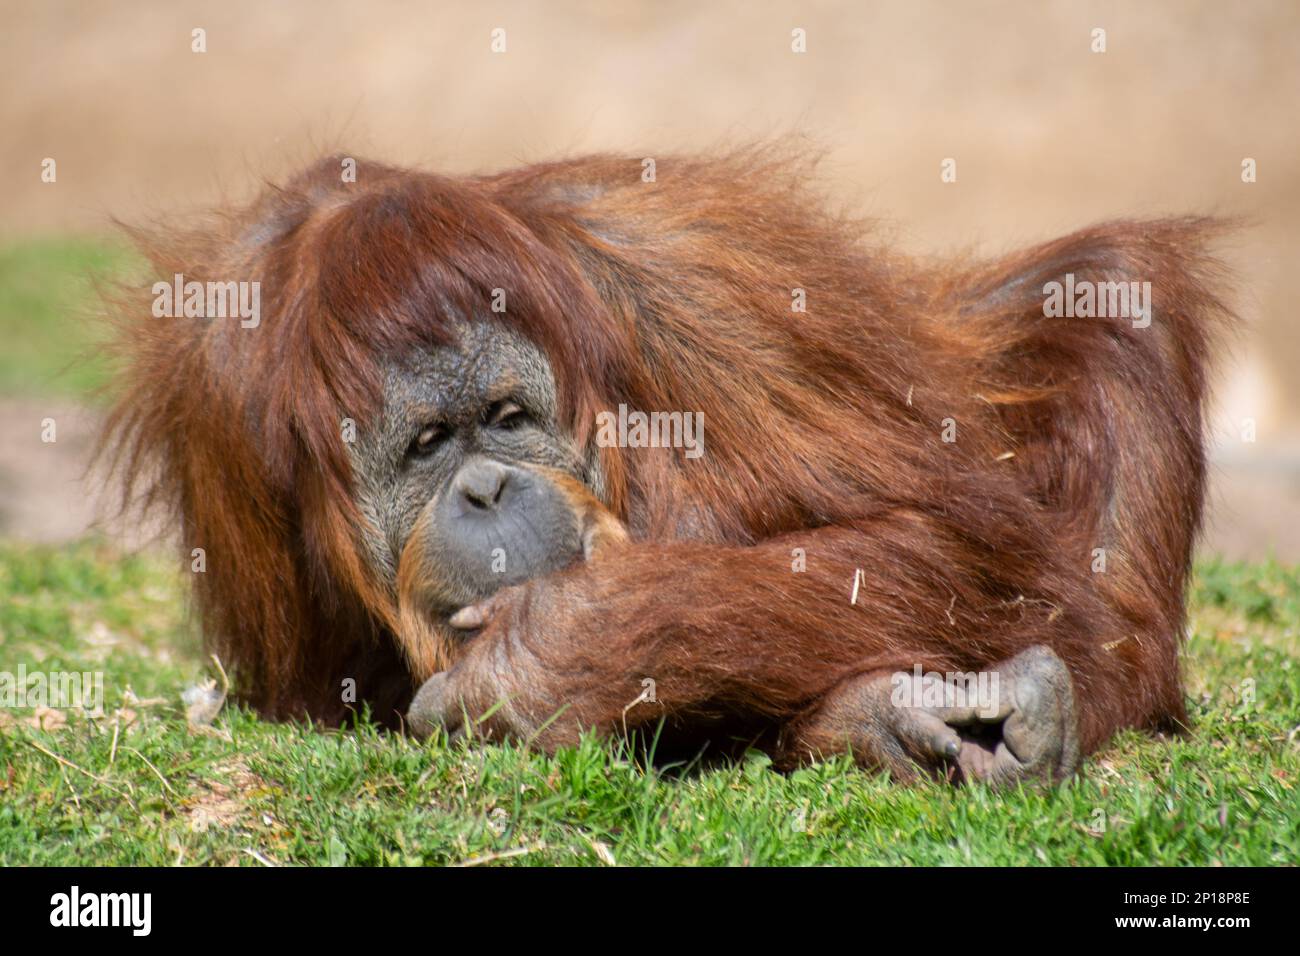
(289,794)
(48,320)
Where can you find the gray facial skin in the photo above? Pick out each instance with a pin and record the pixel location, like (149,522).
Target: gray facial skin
(449,431)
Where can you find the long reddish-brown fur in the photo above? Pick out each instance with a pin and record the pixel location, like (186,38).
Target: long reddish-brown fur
(823,431)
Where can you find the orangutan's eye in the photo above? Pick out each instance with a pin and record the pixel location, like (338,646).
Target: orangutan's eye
(428,439)
(506,414)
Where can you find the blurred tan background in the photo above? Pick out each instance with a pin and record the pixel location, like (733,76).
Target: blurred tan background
(1047,135)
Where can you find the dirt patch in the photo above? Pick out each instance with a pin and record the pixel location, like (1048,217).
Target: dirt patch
(47,493)
(223,803)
